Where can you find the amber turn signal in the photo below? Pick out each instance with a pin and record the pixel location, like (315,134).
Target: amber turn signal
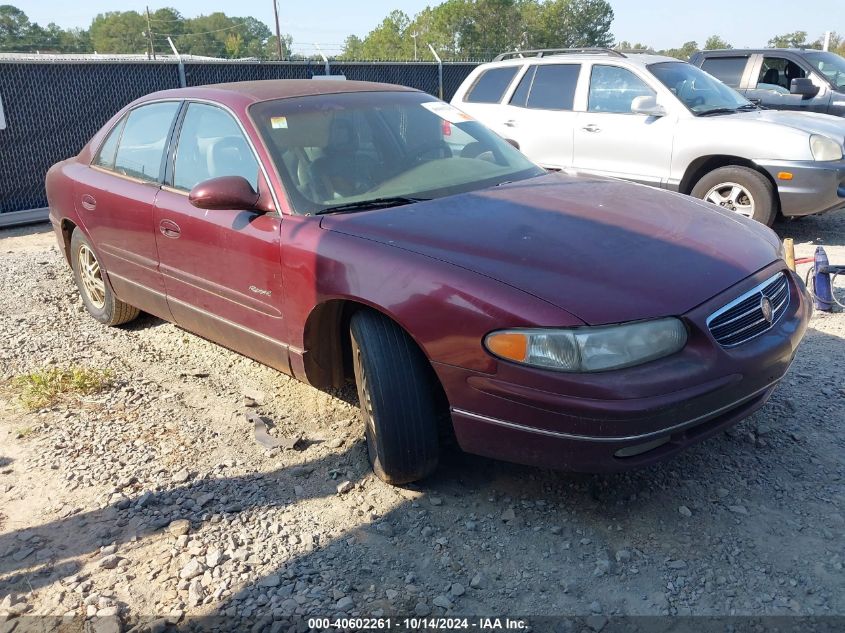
(510,345)
(784,175)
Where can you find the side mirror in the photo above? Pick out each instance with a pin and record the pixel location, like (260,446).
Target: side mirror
(647,104)
(224,192)
(803,86)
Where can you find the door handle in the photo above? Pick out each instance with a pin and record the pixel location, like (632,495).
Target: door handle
(592,127)
(89,202)
(170,229)
(510,123)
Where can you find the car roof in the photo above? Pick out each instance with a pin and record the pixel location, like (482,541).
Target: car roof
(754,51)
(246,92)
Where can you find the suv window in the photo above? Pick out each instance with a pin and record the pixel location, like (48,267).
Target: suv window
(777,74)
(613,89)
(554,86)
(211,144)
(105,157)
(144,137)
(728,70)
(520,95)
(491,85)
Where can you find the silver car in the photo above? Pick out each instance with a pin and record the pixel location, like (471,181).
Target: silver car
(662,122)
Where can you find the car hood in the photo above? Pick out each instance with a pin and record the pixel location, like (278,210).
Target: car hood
(811,122)
(604,250)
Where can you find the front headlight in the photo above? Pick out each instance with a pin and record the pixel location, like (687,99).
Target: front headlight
(824,148)
(589,349)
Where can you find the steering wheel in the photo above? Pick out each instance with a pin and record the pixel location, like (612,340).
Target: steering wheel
(699,100)
(422,150)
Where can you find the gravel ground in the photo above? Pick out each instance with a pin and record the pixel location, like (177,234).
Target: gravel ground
(153,498)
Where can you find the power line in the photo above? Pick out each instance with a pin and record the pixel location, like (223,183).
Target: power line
(228,28)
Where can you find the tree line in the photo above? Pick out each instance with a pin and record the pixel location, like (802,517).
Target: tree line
(213,35)
(457,29)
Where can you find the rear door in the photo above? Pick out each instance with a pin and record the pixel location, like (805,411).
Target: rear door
(483,98)
(115,198)
(771,79)
(611,140)
(222,269)
(732,70)
(540,114)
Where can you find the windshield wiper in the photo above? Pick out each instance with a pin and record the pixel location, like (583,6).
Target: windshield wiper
(748,107)
(717,111)
(375,203)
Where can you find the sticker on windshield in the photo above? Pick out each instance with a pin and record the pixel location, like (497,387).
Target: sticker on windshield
(279,122)
(447,112)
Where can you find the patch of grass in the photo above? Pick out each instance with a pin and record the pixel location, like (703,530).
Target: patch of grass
(46,387)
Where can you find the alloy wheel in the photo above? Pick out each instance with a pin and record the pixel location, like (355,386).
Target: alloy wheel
(91,276)
(733,197)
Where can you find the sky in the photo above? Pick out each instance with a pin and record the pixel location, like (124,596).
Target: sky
(658,23)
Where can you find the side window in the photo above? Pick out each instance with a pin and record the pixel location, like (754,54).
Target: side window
(211,144)
(613,89)
(777,74)
(520,95)
(144,138)
(728,70)
(491,85)
(554,86)
(105,157)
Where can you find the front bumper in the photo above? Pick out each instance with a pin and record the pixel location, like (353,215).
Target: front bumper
(627,418)
(816,187)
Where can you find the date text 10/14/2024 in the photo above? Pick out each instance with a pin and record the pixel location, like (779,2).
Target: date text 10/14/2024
(417,623)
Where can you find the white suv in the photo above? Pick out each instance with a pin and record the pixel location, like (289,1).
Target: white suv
(661,122)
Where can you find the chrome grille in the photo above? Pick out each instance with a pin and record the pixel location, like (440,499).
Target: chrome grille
(744,317)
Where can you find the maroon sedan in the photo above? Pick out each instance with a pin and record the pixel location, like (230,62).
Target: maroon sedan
(345,231)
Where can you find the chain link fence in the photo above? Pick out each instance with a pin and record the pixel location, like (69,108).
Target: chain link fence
(51,109)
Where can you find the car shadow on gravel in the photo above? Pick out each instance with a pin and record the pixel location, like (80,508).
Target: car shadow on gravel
(74,539)
(827,230)
(476,504)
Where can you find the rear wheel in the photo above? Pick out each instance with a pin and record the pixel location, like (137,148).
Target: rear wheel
(96,293)
(397,390)
(741,190)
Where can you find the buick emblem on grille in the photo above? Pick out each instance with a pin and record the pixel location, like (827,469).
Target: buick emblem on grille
(766,308)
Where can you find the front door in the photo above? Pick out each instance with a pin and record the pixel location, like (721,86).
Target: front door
(222,268)
(115,198)
(611,140)
(540,117)
(773,79)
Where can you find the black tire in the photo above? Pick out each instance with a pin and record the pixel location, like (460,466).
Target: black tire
(106,308)
(397,389)
(758,186)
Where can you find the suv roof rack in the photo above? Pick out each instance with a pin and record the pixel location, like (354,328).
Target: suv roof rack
(542,52)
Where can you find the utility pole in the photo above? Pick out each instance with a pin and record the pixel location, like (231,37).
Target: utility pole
(278,31)
(150,34)
(415,35)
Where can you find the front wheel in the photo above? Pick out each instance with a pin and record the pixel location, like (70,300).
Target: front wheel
(741,190)
(96,293)
(397,391)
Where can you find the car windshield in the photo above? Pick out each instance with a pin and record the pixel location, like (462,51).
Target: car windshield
(699,92)
(345,151)
(830,65)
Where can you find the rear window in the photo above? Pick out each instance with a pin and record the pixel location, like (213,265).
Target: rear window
(728,70)
(554,86)
(491,85)
(144,137)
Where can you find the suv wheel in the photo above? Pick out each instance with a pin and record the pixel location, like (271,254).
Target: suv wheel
(741,190)
(396,389)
